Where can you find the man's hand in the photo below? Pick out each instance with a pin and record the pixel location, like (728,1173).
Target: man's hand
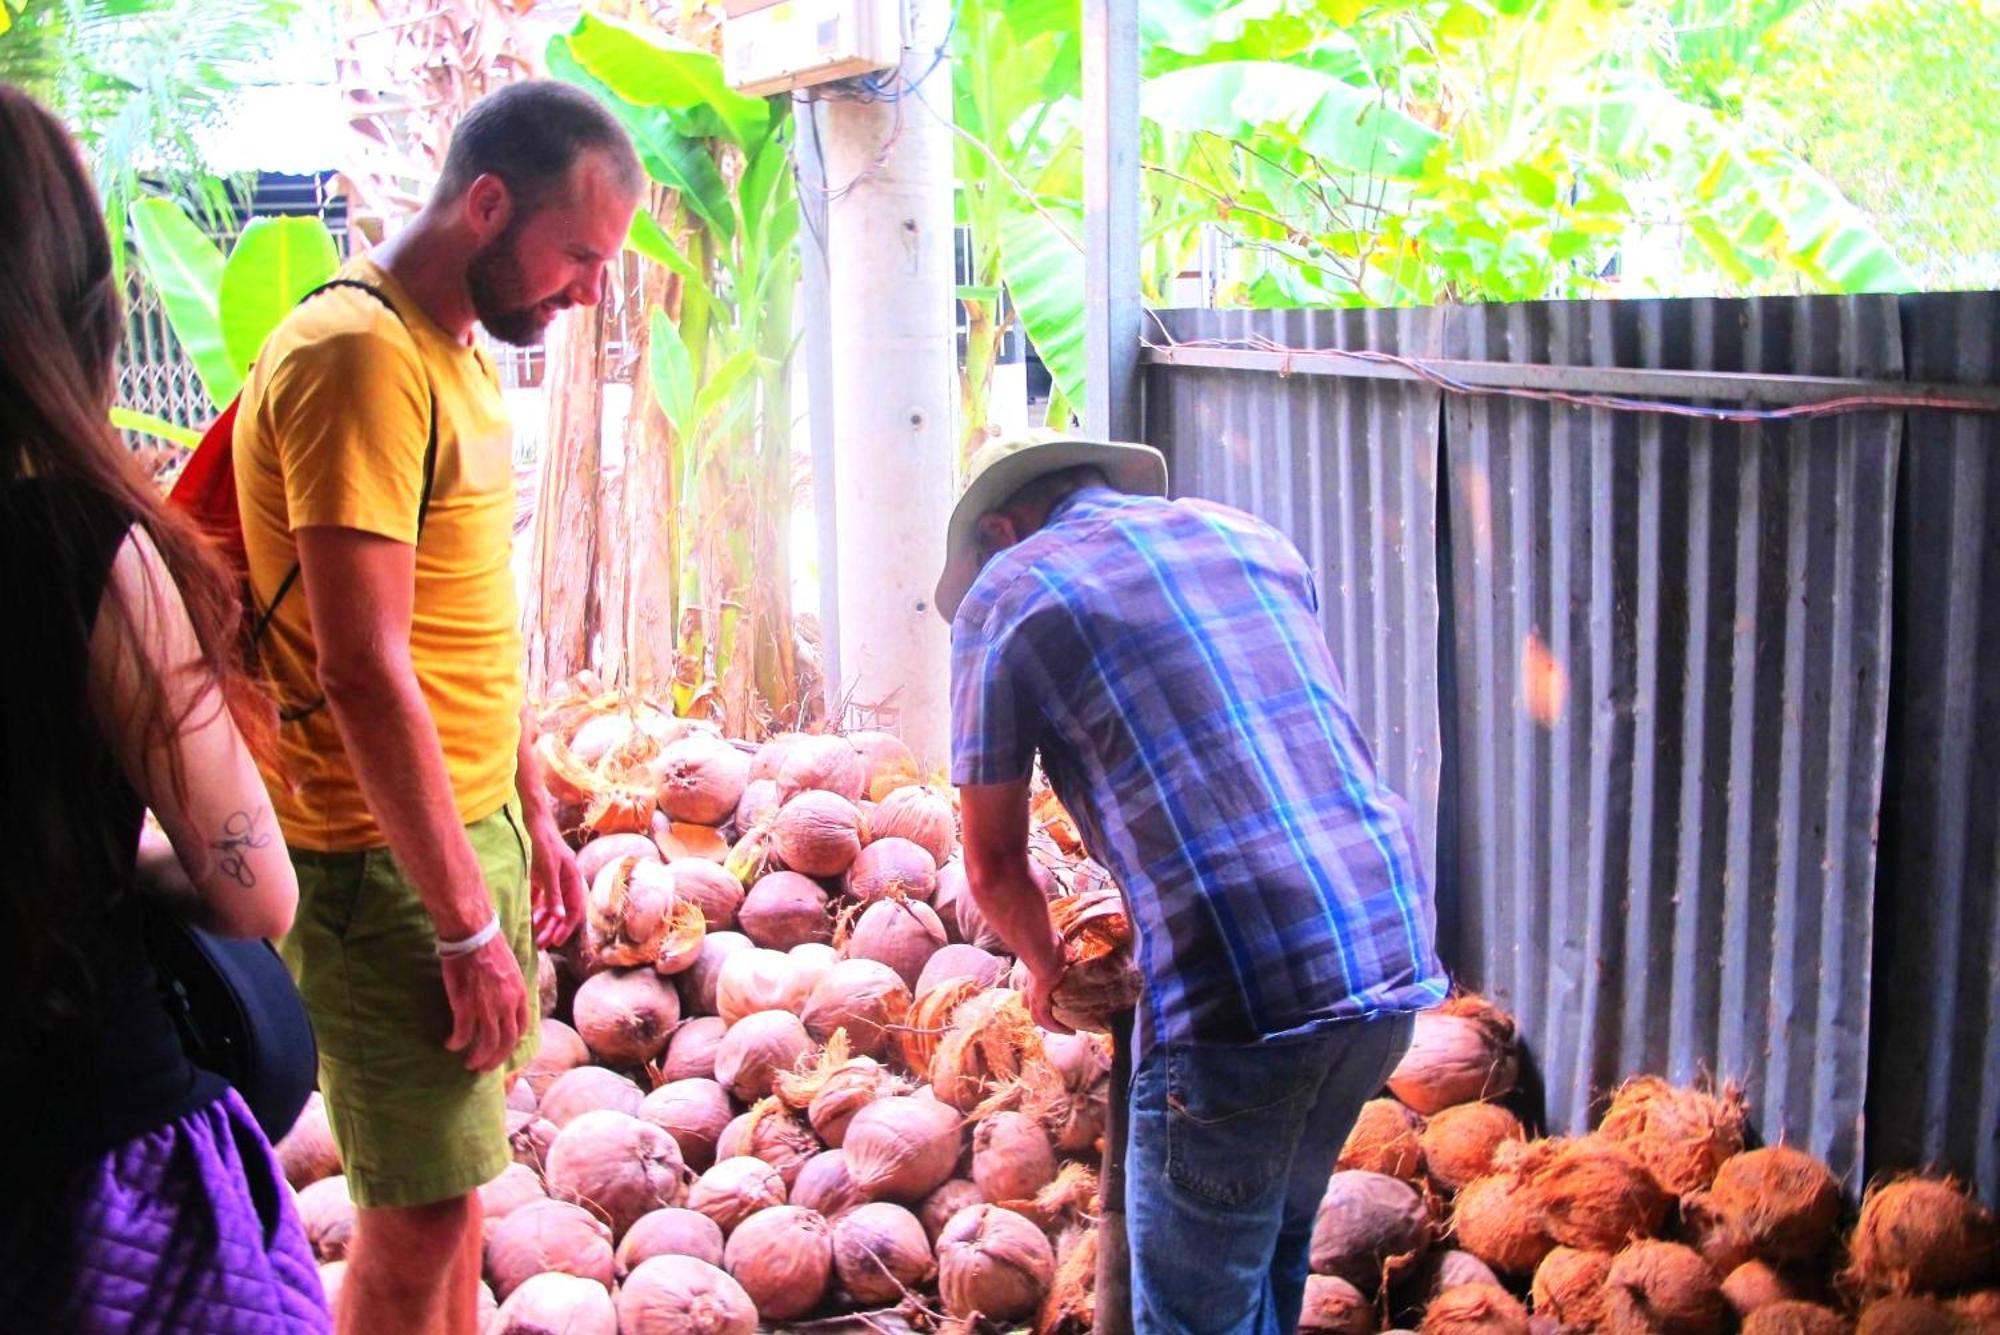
(1041,1000)
(489,1004)
(557,887)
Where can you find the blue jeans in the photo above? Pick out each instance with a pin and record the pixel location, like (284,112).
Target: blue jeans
(1230,1150)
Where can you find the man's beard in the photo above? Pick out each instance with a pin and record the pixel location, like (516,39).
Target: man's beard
(499,300)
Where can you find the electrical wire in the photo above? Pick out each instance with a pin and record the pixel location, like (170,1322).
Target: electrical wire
(1427,371)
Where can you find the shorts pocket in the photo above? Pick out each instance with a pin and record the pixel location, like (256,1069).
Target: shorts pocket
(1234,1117)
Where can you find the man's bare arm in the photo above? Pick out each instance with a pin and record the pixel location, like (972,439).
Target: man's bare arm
(995,817)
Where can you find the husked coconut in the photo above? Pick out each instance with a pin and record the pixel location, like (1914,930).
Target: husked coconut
(691,1051)
(959,961)
(880,1253)
(903,936)
(1756,1284)
(1909,1315)
(735,1189)
(1369,1225)
(1012,1158)
(757,1049)
(702,978)
(326,1211)
(561,1050)
(1570,1286)
(682,1295)
(618,1167)
(991,1040)
(921,815)
(556,1304)
(886,762)
(672,1231)
(589,1089)
(892,868)
(1496,1221)
(994,1263)
(1335,1307)
(783,1258)
(846,1091)
(548,1236)
(770,758)
(709,888)
(824,763)
(1387,1138)
(702,779)
(517,1185)
(529,1137)
(785,909)
(593,856)
(307,1152)
(1783,1201)
(1476,1309)
(1790,1317)
(758,804)
(759,980)
(1456,1058)
(1682,1135)
(826,1187)
(865,997)
(902,1149)
(938,1208)
(1921,1235)
(631,910)
(695,1113)
(811,962)
(627,1015)
(770,1132)
(1663,1288)
(817,834)
(521,1097)
(1596,1195)
(1460,1143)
(548,988)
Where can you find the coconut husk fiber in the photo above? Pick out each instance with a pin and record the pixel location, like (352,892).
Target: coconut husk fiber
(1070,1308)
(1101,978)
(1682,1135)
(1663,1288)
(991,1038)
(929,1018)
(1570,1286)
(1334,1307)
(1792,1317)
(1475,1309)
(1496,1219)
(1756,1284)
(1460,1143)
(1783,1201)
(1921,1235)
(1387,1138)
(1910,1316)
(1595,1195)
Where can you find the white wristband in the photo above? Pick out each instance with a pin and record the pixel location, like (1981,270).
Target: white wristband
(448,949)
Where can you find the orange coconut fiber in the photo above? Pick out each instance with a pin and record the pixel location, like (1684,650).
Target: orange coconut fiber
(1386,1138)
(1070,1199)
(991,1040)
(1682,1135)
(1070,1308)
(1100,979)
(1921,1235)
(1595,1195)
(930,1015)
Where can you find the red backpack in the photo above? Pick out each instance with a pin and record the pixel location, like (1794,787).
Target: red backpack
(206,488)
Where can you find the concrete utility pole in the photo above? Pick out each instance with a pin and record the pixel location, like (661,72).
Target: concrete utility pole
(889,281)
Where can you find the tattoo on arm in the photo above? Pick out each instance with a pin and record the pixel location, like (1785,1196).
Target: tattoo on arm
(241,835)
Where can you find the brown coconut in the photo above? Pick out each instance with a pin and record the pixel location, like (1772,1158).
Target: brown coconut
(589,1089)
(326,1212)
(1496,1220)
(881,1253)
(631,909)
(961,961)
(992,1039)
(529,1137)
(921,815)
(1570,1286)
(1921,1235)
(683,1295)
(544,1237)
(1079,1115)
(1369,1227)
(700,983)
(593,857)
(517,1185)
(1981,1307)
(556,1303)
(701,779)
(1475,1309)
(1012,1158)
(690,1052)
(903,936)
(967,922)
(994,1263)
(759,980)
(817,834)
(673,1231)
(1783,1201)
(783,1258)
(936,1210)
(768,759)
(785,909)
(1756,1284)
(811,962)
(1909,1315)
(892,868)
(902,1149)
(865,997)
(734,1190)
(1454,1059)
(521,1097)
(1682,1135)
(1459,1143)
(887,762)
(757,1049)
(1597,1196)
(769,1131)
(1789,1316)
(1387,1138)
(626,1015)
(758,804)
(1663,1288)
(695,1113)
(846,1091)
(709,888)
(825,763)
(561,1050)
(1335,1307)
(307,1153)
(618,1167)
(825,1187)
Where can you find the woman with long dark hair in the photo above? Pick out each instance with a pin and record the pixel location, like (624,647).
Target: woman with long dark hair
(136,1191)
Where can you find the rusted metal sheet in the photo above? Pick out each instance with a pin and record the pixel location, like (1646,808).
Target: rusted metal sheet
(1347,470)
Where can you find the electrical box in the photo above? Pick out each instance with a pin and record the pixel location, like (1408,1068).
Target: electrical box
(773,46)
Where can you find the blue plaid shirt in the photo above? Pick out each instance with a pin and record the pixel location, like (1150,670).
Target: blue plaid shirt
(1164,658)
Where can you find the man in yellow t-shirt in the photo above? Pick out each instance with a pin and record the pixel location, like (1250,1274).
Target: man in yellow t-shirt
(374,474)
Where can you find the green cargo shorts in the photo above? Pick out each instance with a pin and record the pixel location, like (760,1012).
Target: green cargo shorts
(412,1124)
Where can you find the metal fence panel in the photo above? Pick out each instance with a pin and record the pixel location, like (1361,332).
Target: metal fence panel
(1672,643)
(1935,1083)
(1347,470)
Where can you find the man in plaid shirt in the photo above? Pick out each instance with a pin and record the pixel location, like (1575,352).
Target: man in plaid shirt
(1165,660)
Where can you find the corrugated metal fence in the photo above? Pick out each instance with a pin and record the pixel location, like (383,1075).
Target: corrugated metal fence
(1636,671)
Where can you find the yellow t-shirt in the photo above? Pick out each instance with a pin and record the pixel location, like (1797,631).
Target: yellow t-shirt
(331,431)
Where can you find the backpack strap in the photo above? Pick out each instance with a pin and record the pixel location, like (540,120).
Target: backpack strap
(264,618)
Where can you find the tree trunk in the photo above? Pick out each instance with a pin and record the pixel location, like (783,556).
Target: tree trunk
(649,513)
(562,612)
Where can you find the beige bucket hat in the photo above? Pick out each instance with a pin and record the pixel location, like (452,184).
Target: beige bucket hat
(1002,467)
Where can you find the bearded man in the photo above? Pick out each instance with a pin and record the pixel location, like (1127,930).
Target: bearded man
(374,473)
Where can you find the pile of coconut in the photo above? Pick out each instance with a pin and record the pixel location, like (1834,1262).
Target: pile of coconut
(1445,1217)
(783,1077)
